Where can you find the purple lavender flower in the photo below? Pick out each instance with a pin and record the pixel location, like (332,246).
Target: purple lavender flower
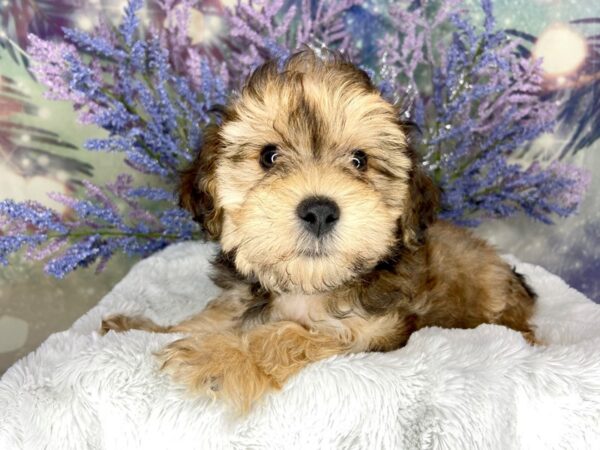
(130,23)
(476,100)
(32,214)
(94,228)
(49,67)
(577,180)
(264,30)
(14,243)
(94,45)
(151,193)
(485,105)
(81,254)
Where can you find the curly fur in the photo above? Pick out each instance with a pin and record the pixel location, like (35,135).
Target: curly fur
(387,269)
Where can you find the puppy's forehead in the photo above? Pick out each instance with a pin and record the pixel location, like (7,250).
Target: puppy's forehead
(316,110)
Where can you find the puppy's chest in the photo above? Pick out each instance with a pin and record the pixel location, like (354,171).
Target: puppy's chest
(304,309)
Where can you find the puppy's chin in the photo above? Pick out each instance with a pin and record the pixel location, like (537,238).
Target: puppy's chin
(284,259)
(305,274)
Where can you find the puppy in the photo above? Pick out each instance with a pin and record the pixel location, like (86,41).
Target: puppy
(328,234)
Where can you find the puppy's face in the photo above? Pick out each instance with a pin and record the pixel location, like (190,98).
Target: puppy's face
(308,179)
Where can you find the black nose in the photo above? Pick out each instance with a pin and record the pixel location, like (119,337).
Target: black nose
(318,214)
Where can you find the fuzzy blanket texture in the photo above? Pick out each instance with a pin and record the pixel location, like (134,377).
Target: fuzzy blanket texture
(447,389)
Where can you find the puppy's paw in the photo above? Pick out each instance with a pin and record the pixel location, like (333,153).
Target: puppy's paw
(218,366)
(120,323)
(117,323)
(531,338)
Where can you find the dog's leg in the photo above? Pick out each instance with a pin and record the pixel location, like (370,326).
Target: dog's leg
(241,368)
(520,304)
(219,314)
(120,323)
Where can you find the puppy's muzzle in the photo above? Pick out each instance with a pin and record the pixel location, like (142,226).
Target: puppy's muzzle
(318,215)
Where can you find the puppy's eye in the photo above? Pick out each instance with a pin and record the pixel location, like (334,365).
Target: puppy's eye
(359,159)
(268,155)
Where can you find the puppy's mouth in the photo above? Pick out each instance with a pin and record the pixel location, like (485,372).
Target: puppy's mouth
(315,247)
(316,252)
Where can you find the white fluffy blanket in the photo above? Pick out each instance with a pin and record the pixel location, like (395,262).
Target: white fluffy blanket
(447,389)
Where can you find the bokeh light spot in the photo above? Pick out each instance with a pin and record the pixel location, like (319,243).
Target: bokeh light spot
(562,50)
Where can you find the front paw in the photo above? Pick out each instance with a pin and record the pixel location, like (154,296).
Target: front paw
(120,323)
(218,366)
(117,322)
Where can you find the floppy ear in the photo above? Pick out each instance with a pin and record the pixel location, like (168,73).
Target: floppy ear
(422,203)
(197,186)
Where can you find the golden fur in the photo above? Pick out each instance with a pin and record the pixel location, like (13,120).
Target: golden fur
(290,298)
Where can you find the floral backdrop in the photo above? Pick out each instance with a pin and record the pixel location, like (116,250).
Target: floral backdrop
(102,102)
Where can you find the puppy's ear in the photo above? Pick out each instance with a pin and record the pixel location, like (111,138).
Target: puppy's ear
(197,186)
(423,204)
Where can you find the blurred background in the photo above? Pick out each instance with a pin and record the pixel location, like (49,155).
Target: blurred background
(41,150)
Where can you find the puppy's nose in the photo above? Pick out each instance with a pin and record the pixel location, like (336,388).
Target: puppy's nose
(318,214)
